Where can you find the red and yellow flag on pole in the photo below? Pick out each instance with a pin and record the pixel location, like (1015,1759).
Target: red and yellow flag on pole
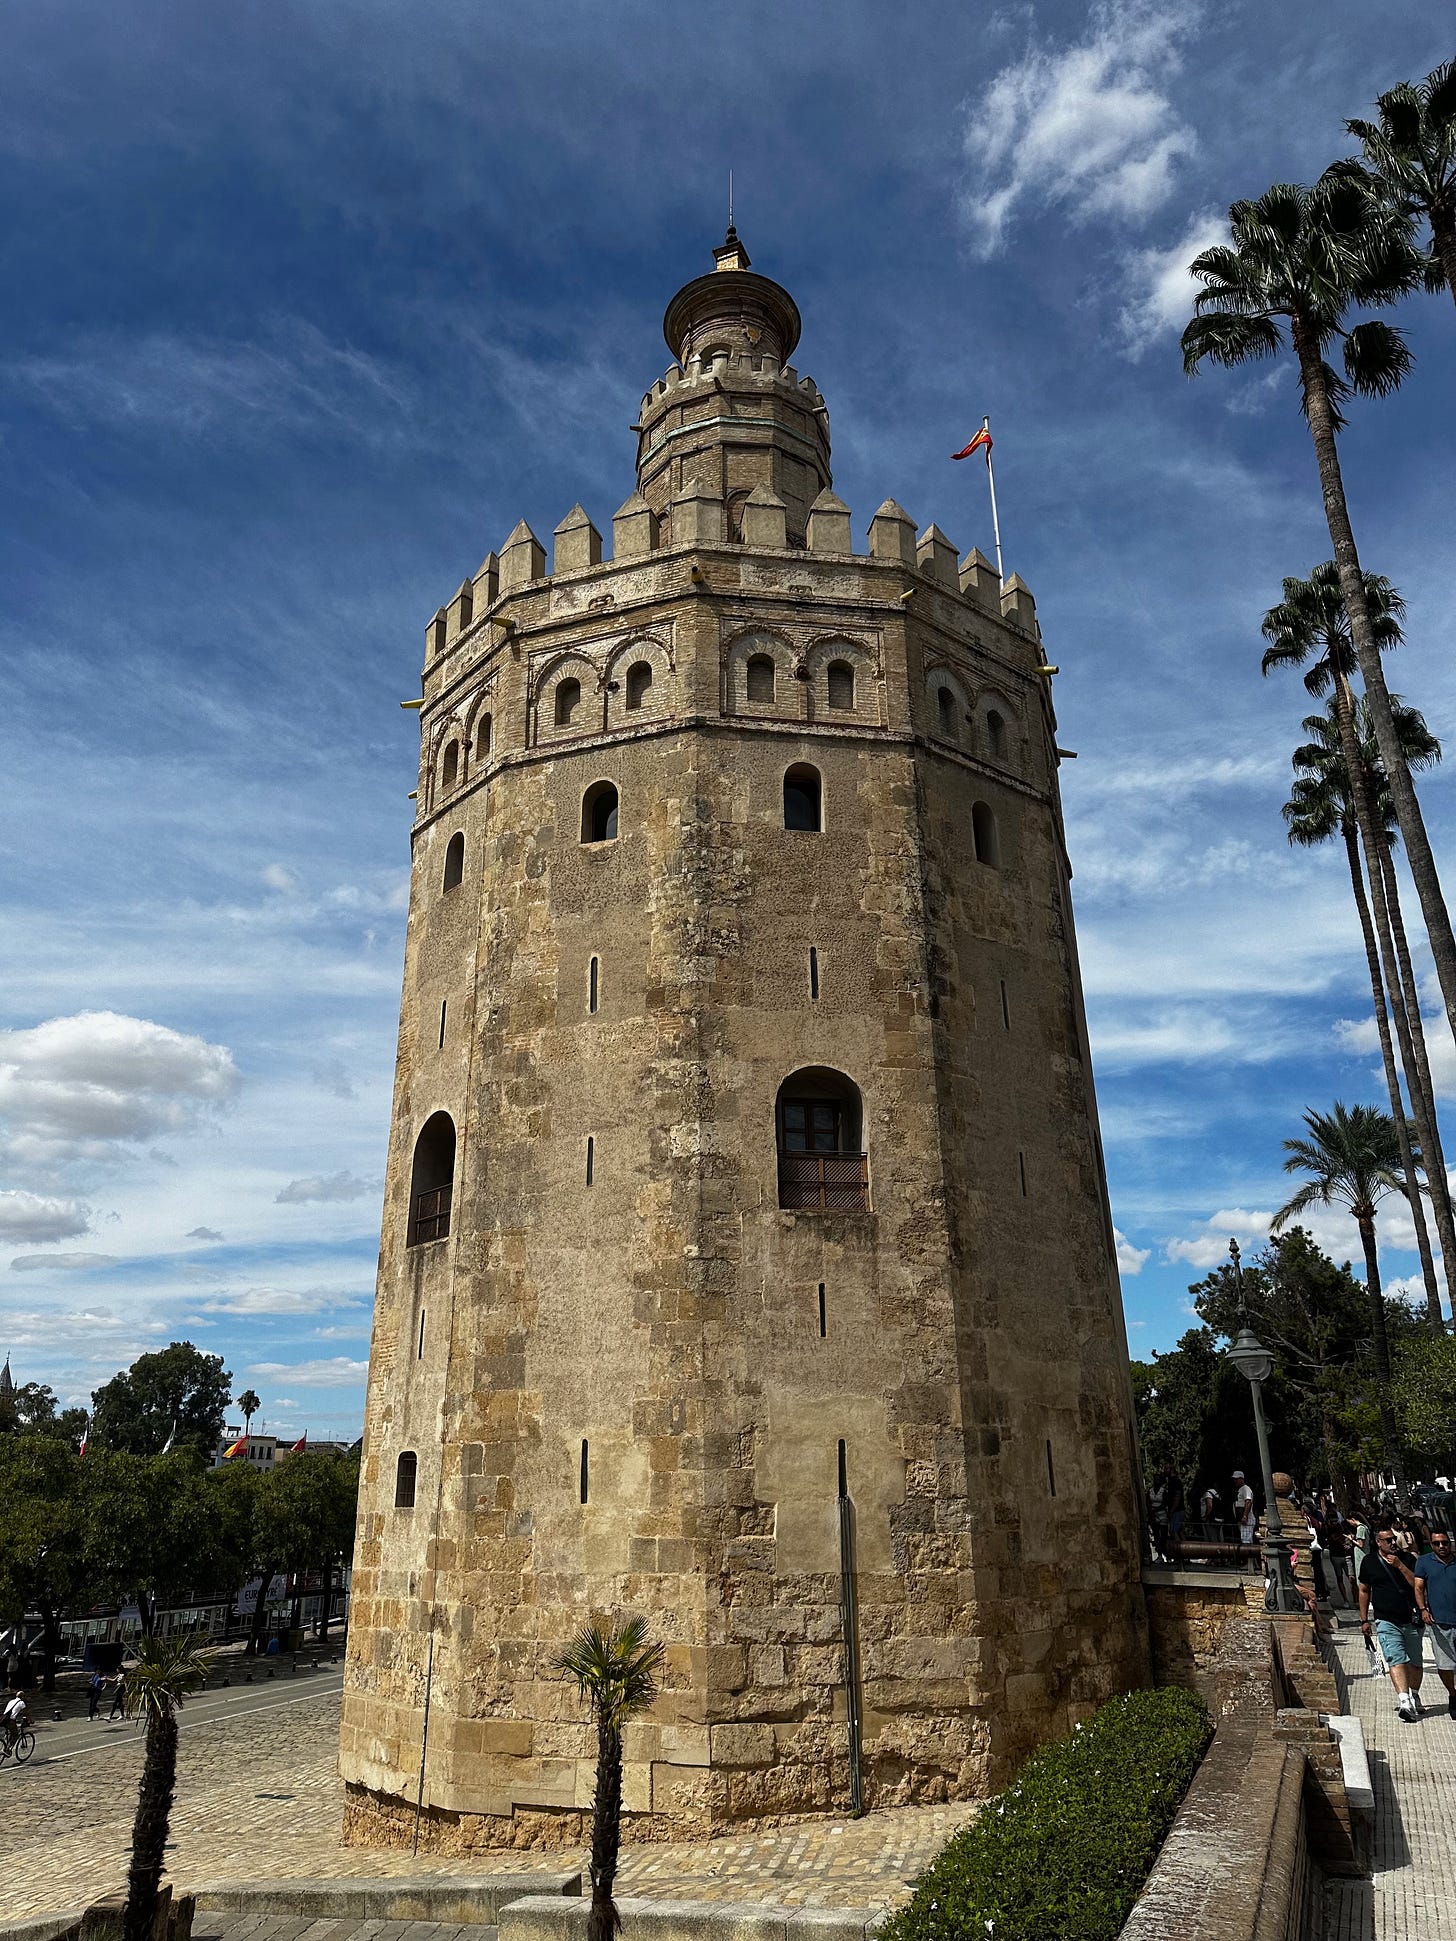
(981,439)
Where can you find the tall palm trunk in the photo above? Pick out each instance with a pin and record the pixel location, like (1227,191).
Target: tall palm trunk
(1387,1055)
(149,1829)
(1320,414)
(1380,1344)
(1430,1133)
(606,1843)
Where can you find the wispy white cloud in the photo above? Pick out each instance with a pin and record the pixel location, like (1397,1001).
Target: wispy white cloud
(334,1186)
(1088,127)
(1160,291)
(61,1263)
(281,1300)
(1361,1036)
(337,1371)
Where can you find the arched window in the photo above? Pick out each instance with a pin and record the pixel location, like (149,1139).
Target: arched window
(841,684)
(568,700)
(760,677)
(996,732)
(639,682)
(454,861)
(432,1180)
(945,707)
(450,767)
(802,798)
(985,834)
(482,738)
(405,1471)
(822,1163)
(599,813)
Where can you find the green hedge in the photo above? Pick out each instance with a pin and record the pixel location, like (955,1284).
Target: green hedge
(1063,1854)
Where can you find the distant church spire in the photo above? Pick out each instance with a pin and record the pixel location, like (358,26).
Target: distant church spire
(7,1384)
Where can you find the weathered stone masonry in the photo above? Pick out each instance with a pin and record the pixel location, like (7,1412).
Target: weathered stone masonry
(631,1394)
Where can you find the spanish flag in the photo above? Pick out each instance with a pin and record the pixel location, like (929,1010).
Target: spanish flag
(982,437)
(237,1449)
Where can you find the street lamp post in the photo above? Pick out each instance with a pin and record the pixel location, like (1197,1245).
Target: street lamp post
(1255,1363)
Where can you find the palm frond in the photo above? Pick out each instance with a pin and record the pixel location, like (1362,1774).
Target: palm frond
(1377,358)
(165,1672)
(1223,337)
(616,1669)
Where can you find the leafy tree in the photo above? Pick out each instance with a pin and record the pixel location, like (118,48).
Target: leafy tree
(177,1392)
(1410,157)
(1298,260)
(30,1408)
(147,1527)
(1314,1316)
(616,1671)
(1329,795)
(166,1670)
(1423,1390)
(43,1561)
(309,1508)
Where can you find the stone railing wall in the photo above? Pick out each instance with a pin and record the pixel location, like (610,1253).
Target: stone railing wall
(1267,1816)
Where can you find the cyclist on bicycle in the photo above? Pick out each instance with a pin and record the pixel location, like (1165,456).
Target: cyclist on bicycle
(14,1719)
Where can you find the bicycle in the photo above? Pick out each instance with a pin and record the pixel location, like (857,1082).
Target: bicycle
(22,1745)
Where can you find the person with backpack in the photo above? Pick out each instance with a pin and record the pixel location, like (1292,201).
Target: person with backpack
(118,1698)
(93,1695)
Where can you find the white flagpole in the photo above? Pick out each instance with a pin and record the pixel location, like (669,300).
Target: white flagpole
(991,481)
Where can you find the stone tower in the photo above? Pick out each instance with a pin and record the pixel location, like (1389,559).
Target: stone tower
(746,1256)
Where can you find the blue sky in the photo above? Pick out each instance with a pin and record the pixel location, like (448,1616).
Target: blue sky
(306,305)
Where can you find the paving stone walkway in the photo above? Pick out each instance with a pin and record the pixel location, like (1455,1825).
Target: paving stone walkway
(258,1797)
(1412,1893)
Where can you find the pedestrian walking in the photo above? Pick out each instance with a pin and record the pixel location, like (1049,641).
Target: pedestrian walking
(118,1698)
(1435,1589)
(1208,1511)
(1388,1609)
(93,1694)
(1244,1511)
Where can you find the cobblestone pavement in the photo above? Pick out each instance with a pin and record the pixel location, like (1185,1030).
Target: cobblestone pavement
(1412,1893)
(258,1797)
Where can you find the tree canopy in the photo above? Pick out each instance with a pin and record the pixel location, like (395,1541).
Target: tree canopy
(176,1393)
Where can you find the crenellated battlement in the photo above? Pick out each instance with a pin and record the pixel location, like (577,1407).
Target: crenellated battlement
(698,519)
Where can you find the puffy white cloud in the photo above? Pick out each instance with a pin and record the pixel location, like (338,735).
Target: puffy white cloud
(281,1300)
(1087,126)
(1210,1247)
(337,1371)
(334,1186)
(1160,291)
(1130,1259)
(65,1263)
(31,1216)
(1360,1035)
(82,1085)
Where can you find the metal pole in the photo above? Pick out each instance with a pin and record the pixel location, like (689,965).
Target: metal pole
(425,1732)
(995,521)
(1276,1544)
(849,1619)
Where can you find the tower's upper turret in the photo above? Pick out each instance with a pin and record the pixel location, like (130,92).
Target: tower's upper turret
(732,414)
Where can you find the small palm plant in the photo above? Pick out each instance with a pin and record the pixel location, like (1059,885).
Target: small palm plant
(616,1671)
(157,1684)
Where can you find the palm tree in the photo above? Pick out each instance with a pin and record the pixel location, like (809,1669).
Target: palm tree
(1320,803)
(250,1403)
(1298,259)
(617,1674)
(157,1684)
(1410,155)
(1311,621)
(1353,1159)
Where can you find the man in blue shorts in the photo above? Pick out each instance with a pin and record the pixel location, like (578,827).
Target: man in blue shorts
(1387,1592)
(1435,1588)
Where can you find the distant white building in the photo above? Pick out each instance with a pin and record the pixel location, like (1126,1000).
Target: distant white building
(262,1451)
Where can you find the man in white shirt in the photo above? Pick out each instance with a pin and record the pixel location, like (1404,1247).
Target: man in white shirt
(1244,1508)
(14,1718)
